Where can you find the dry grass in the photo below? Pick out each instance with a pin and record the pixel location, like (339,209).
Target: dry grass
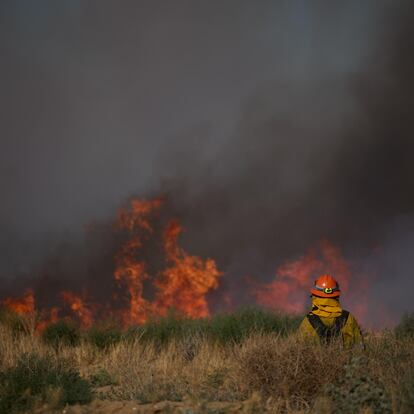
(277,374)
(287,368)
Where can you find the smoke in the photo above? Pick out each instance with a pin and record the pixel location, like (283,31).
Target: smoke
(267,127)
(305,168)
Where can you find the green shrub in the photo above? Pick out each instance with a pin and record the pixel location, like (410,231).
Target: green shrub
(355,390)
(61,333)
(161,330)
(101,378)
(223,328)
(406,327)
(104,337)
(234,327)
(35,379)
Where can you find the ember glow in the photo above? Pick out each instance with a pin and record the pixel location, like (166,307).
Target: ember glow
(180,281)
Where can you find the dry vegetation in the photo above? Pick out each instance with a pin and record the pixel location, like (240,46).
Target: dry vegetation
(196,373)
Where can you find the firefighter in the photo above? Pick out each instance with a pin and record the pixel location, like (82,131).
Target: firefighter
(327,320)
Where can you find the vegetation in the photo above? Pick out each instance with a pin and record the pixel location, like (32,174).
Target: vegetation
(406,327)
(104,336)
(36,380)
(355,389)
(236,327)
(407,393)
(17,324)
(61,333)
(222,328)
(249,361)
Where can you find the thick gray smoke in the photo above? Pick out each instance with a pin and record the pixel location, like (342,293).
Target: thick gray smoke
(300,172)
(267,125)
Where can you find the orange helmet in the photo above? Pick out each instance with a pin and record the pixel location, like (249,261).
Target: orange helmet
(326,287)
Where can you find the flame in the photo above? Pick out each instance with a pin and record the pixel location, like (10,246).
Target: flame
(182,281)
(184,285)
(79,308)
(129,269)
(288,290)
(132,272)
(138,216)
(49,317)
(23,305)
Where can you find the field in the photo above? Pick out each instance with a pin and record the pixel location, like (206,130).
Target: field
(250,361)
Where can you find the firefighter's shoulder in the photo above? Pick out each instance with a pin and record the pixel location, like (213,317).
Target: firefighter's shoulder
(306,329)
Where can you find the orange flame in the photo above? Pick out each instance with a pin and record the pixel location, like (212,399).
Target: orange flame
(138,216)
(22,306)
(129,269)
(185,281)
(132,272)
(79,308)
(51,317)
(184,285)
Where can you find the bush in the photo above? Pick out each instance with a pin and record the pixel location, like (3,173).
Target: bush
(162,330)
(61,333)
(101,378)
(287,367)
(104,337)
(405,329)
(237,326)
(355,390)
(223,328)
(36,380)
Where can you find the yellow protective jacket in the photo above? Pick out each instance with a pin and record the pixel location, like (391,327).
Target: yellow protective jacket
(329,312)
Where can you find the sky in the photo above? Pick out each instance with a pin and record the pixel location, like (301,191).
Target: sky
(269,125)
